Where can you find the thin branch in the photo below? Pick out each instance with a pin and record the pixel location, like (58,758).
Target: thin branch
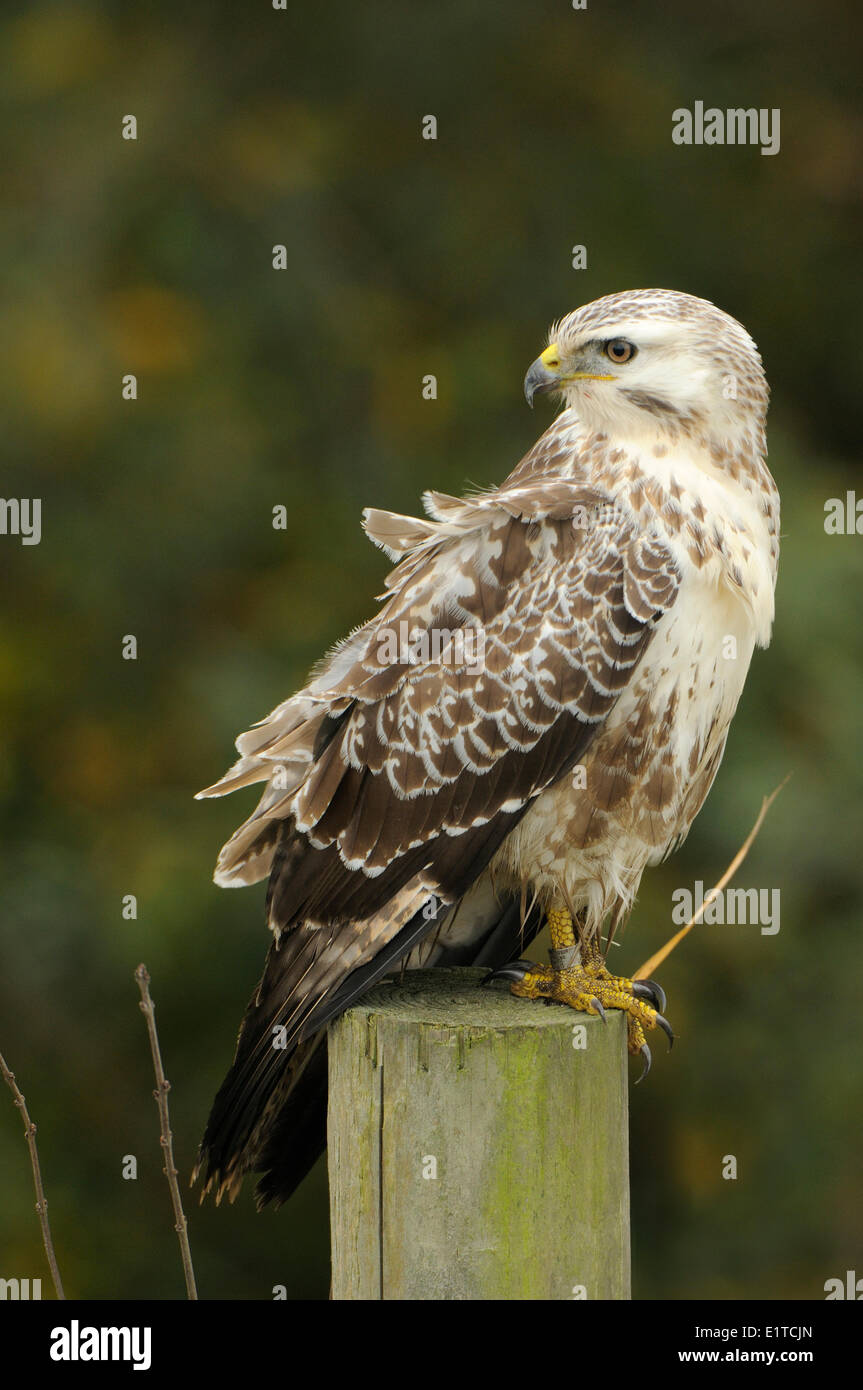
(41,1200)
(650,965)
(160,1094)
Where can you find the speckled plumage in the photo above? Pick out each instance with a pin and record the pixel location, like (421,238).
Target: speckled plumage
(619,579)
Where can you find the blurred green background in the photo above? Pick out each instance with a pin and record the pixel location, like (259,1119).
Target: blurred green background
(302,388)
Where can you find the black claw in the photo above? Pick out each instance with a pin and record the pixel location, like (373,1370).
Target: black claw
(515,970)
(599,1009)
(645,1052)
(666,1028)
(649,989)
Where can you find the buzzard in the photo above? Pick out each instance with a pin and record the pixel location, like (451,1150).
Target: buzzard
(535,714)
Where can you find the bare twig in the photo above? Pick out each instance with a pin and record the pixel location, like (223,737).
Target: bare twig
(41,1201)
(650,965)
(160,1094)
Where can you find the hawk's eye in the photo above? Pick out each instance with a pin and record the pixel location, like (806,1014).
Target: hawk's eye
(619,350)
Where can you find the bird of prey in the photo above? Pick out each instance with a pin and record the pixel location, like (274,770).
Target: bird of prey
(535,714)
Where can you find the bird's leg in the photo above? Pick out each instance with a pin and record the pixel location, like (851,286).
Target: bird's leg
(579,978)
(564,946)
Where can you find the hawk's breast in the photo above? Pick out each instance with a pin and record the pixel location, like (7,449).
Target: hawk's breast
(650,766)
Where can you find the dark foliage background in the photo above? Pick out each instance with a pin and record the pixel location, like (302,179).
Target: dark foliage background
(302,388)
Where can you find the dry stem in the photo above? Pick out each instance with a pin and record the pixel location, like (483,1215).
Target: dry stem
(41,1201)
(160,1094)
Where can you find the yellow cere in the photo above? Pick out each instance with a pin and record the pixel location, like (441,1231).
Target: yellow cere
(551,359)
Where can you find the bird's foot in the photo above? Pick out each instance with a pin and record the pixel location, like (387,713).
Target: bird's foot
(590,988)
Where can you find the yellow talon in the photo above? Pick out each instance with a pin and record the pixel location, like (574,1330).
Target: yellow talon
(588,985)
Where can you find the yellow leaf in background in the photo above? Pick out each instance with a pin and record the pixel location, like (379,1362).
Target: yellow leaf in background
(154,329)
(54,48)
(697,1161)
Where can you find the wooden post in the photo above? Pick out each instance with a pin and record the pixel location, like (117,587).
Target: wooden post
(478,1145)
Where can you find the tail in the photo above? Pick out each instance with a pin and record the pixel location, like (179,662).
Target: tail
(270,1113)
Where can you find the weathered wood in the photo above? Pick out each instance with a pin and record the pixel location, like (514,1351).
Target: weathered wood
(478,1146)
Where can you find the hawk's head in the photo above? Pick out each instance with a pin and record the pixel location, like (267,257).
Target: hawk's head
(655,361)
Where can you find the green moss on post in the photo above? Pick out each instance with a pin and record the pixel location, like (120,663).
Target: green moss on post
(478,1146)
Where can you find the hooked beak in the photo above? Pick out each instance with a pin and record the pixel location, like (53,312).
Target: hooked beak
(543,374)
(539,378)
